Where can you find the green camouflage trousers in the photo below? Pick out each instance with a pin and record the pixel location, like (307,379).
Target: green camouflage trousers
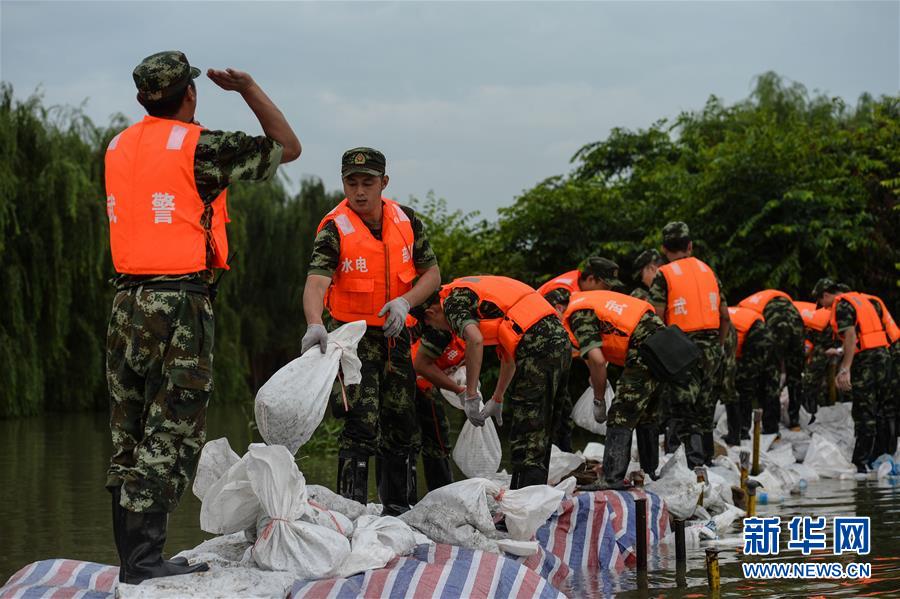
(579,379)
(756,387)
(536,399)
(432,435)
(637,390)
(724,389)
(815,373)
(786,326)
(692,404)
(159,370)
(381,414)
(872,399)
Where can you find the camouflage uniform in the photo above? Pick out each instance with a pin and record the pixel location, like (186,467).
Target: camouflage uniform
(786,326)
(815,374)
(869,377)
(159,347)
(538,389)
(641,293)
(578,381)
(432,435)
(753,380)
(387,391)
(636,398)
(724,389)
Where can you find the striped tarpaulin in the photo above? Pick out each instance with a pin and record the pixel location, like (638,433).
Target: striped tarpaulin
(61,579)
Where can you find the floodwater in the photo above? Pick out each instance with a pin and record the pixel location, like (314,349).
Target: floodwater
(53,504)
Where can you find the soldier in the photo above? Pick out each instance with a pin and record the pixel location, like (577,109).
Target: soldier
(366,258)
(557,291)
(535,354)
(753,351)
(865,365)
(611,327)
(166,180)
(784,321)
(646,265)
(886,441)
(818,339)
(686,292)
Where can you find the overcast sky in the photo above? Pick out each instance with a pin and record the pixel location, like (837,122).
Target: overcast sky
(476,101)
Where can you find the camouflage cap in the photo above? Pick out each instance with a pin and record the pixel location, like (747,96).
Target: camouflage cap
(675,231)
(163,74)
(363,160)
(644,258)
(824,284)
(603,269)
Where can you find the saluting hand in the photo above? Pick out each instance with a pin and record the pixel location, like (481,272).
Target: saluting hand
(231,79)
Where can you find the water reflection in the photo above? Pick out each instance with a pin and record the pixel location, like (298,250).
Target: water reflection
(53,504)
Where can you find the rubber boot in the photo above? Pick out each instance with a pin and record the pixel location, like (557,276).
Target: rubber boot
(771,416)
(648,449)
(746,418)
(693,449)
(527,476)
(733,414)
(438,472)
(794,407)
(862,450)
(393,484)
(412,487)
(118,518)
(885,437)
(143,538)
(671,440)
(616,458)
(709,448)
(353,476)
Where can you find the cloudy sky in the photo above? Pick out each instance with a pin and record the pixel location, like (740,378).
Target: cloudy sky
(475,101)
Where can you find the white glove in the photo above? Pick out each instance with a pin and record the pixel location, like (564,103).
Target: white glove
(397,310)
(472,408)
(600,410)
(493,409)
(315,334)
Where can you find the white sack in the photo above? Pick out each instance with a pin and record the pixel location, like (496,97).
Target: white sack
(677,485)
(458,377)
(593,451)
(477,450)
(230,505)
(562,463)
(292,403)
(826,459)
(376,541)
(216,458)
(583,411)
(328,499)
(528,508)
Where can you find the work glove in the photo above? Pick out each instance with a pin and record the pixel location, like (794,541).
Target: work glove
(600,410)
(493,409)
(315,334)
(472,408)
(397,310)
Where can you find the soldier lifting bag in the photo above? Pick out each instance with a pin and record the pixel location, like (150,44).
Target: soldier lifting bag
(669,353)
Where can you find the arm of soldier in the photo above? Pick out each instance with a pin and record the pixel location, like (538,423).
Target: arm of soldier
(507,372)
(267,113)
(586,328)
(314,297)
(848,344)
(659,296)
(428,282)
(425,366)
(322,264)
(724,321)
(425,261)
(597,367)
(474,356)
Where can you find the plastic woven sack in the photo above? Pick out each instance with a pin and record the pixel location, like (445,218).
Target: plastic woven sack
(477,450)
(292,403)
(583,411)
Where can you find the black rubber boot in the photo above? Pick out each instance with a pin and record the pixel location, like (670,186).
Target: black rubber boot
(885,437)
(693,449)
(771,416)
(412,486)
(393,484)
(709,448)
(118,519)
(746,418)
(528,476)
(862,451)
(671,440)
(438,472)
(353,476)
(735,422)
(143,537)
(794,406)
(648,449)
(616,457)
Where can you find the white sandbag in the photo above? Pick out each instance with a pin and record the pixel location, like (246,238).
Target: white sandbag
(328,499)
(527,509)
(583,410)
(376,541)
(835,423)
(826,459)
(567,486)
(593,451)
(292,403)
(322,516)
(459,377)
(230,505)
(803,472)
(561,464)
(477,450)
(781,454)
(285,542)
(677,485)
(216,458)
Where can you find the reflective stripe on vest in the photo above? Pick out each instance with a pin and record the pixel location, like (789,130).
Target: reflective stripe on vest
(869,330)
(370,272)
(758,301)
(521,305)
(154,210)
(743,320)
(452,356)
(567,281)
(890,326)
(693,295)
(816,319)
(622,311)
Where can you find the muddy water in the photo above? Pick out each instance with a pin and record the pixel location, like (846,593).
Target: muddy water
(53,504)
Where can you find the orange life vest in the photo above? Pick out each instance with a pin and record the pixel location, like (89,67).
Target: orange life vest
(890,327)
(869,329)
(759,300)
(814,318)
(521,305)
(622,311)
(453,355)
(693,295)
(152,202)
(370,272)
(743,320)
(568,281)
